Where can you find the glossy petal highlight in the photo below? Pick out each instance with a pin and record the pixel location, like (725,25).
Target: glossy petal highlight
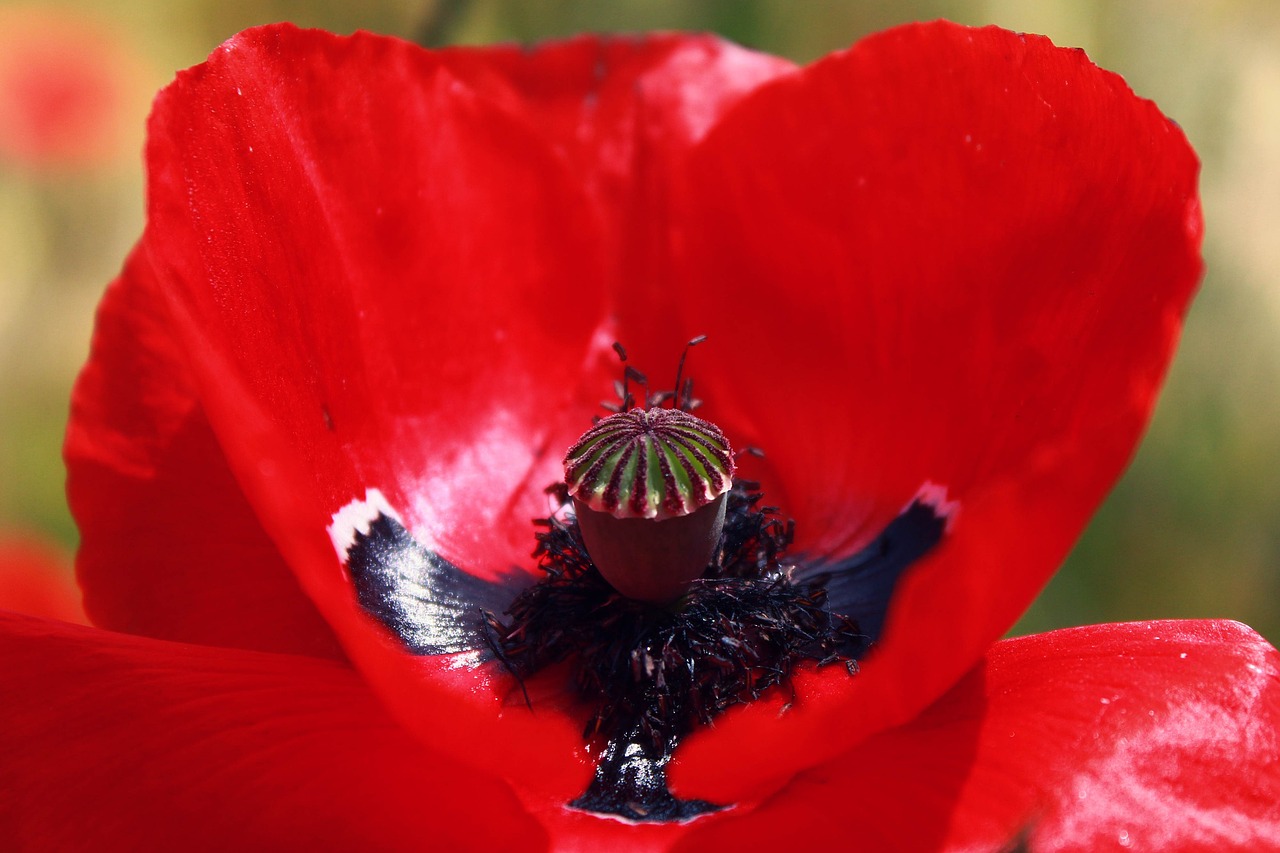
(1155,736)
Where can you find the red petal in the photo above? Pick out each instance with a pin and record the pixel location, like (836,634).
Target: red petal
(959,258)
(109,742)
(1159,736)
(36,579)
(169,548)
(377,308)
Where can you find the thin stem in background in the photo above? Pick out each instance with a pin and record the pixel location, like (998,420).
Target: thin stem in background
(437,26)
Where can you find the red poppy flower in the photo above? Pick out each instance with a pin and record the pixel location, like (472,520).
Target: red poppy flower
(943,271)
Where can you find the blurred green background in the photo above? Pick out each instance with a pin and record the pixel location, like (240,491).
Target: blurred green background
(1193,530)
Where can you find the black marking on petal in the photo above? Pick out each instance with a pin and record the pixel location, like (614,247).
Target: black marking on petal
(631,783)
(861,586)
(434,607)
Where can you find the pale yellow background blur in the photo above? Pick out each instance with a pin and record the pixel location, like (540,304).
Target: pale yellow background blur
(1192,530)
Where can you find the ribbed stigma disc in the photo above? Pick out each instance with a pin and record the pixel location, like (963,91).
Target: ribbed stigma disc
(656,463)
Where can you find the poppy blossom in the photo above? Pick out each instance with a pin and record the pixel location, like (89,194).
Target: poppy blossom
(942,275)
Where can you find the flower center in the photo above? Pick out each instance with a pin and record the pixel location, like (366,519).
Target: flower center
(664,589)
(652,650)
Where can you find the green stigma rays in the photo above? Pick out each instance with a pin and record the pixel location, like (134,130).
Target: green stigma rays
(654,464)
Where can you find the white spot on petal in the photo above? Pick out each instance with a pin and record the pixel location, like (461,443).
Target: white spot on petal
(357,516)
(933,495)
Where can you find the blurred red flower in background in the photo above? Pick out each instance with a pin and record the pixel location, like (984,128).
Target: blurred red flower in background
(35,578)
(948,262)
(65,85)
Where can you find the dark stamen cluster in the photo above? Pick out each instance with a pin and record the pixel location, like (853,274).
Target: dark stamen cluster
(654,671)
(753,537)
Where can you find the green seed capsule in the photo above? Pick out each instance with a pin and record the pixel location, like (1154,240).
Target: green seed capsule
(649,491)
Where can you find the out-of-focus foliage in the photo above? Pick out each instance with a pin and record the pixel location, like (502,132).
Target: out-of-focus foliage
(1192,530)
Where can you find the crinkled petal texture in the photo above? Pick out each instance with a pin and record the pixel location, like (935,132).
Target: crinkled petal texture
(947,257)
(1159,736)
